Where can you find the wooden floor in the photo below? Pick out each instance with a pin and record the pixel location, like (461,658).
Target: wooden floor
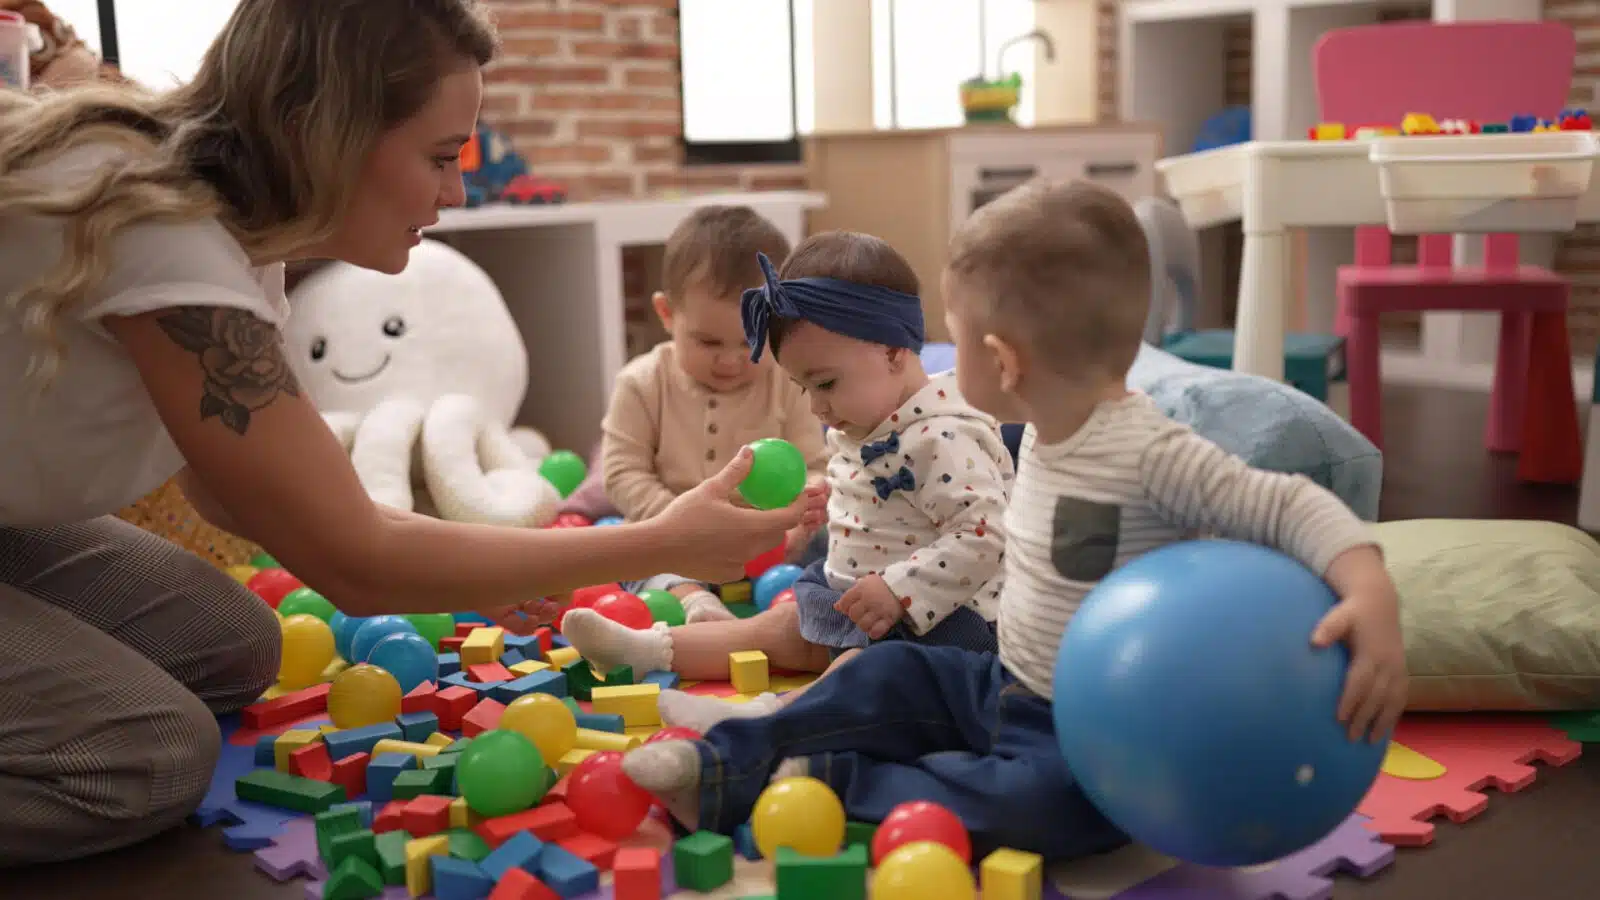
(1538,845)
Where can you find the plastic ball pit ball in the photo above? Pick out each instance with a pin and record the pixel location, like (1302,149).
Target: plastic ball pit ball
(374,630)
(272,585)
(433,626)
(307,650)
(624,609)
(564,470)
(773,582)
(363,695)
(305,601)
(920,820)
(920,870)
(501,772)
(603,799)
(408,657)
(664,606)
(801,813)
(777,474)
(544,720)
(1192,707)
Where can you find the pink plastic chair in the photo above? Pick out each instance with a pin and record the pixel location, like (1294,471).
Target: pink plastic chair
(1487,72)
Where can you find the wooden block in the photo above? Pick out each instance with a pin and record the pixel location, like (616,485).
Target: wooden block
(289,708)
(548,821)
(440,739)
(461,815)
(749,671)
(451,704)
(636,703)
(483,717)
(350,773)
(289,742)
(407,747)
(419,872)
(421,699)
(312,761)
(528,667)
(591,739)
(636,874)
(1008,874)
(592,849)
(519,884)
(489,672)
(483,645)
(560,656)
(570,760)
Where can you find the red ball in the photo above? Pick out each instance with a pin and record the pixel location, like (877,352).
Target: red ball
(571,520)
(604,800)
(625,609)
(784,596)
(754,568)
(272,585)
(584,598)
(920,820)
(674,733)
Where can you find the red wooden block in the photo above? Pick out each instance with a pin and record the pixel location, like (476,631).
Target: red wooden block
(465,628)
(451,644)
(549,822)
(483,717)
(520,884)
(595,850)
(425,815)
(421,699)
(545,638)
(390,817)
(312,761)
(285,709)
(351,773)
(487,673)
(636,874)
(451,704)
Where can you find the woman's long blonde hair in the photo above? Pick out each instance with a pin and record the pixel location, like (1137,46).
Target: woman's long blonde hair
(268,138)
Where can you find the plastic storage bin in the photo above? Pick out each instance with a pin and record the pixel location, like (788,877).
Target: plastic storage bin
(1484,183)
(14,37)
(1209,185)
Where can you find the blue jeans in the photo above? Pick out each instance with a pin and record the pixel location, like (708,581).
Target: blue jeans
(905,721)
(825,626)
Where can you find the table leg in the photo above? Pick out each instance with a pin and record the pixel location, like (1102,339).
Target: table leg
(1258,333)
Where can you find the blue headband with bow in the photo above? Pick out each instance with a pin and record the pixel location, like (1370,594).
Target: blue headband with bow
(862,311)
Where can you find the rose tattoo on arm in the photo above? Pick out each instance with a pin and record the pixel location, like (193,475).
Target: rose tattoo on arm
(241,356)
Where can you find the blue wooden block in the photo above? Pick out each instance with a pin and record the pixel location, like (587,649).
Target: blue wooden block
(267,754)
(449,664)
(566,874)
(520,851)
(611,722)
(360,740)
(667,680)
(511,657)
(460,679)
(363,808)
(381,773)
(521,642)
(417,726)
(459,879)
(544,682)
(744,841)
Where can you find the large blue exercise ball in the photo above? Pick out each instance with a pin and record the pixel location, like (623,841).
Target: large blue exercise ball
(374,630)
(774,581)
(408,656)
(1191,706)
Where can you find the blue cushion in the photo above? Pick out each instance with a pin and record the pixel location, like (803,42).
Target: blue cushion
(1268,424)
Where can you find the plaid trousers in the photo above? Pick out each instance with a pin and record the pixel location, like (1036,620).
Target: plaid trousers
(117,650)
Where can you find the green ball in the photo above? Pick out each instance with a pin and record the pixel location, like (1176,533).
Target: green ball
(777,474)
(264,561)
(565,470)
(305,601)
(664,606)
(433,626)
(500,773)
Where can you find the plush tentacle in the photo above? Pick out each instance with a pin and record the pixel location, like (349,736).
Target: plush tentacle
(382,450)
(467,487)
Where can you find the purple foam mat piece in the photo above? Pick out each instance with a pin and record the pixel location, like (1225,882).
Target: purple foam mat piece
(1306,875)
(250,826)
(294,854)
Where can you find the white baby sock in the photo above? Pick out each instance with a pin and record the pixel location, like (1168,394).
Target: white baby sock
(701,713)
(794,767)
(703,606)
(610,645)
(671,771)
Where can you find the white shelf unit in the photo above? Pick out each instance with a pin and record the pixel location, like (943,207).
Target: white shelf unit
(1172,73)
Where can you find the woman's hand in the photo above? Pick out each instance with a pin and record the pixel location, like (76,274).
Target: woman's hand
(722,535)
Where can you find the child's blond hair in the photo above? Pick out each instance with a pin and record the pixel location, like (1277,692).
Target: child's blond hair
(1062,267)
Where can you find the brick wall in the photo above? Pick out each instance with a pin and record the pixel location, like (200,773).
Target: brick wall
(588,90)
(1578,255)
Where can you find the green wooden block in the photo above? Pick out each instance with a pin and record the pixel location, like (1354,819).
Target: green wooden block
(571,705)
(581,680)
(362,844)
(703,861)
(445,761)
(742,610)
(457,747)
(465,844)
(841,877)
(354,879)
(392,856)
(859,833)
(413,783)
(619,676)
(332,822)
(284,791)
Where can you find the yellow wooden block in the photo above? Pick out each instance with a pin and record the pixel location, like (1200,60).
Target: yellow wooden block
(483,645)
(1012,875)
(636,703)
(334,668)
(1330,131)
(419,873)
(737,592)
(570,760)
(1401,761)
(560,656)
(748,670)
(409,748)
(289,742)
(440,739)
(529,666)
(328,728)
(593,739)
(461,815)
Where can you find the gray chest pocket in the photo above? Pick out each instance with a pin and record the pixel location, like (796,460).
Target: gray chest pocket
(1083,538)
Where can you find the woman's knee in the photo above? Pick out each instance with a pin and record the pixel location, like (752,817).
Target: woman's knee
(247,641)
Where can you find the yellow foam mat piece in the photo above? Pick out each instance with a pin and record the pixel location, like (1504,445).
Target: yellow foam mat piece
(1401,761)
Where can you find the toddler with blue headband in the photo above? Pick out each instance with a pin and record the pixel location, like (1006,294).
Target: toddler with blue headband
(918,483)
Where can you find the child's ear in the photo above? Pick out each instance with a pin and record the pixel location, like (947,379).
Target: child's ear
(1008,361)
(663,309)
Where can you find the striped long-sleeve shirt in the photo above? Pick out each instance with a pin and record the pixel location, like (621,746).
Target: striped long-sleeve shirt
(1127,482)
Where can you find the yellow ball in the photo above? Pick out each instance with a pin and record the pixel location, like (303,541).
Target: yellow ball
(923,870)
(544,720)
(242,574)
(307,650)
(363,695)
(800,813)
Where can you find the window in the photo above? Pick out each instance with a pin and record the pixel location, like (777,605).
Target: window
(743,63)
(922,50)
(159,43)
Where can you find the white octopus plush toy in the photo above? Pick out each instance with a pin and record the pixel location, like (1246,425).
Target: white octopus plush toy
(420,375)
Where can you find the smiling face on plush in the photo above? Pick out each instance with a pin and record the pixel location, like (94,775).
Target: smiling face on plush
(356,337)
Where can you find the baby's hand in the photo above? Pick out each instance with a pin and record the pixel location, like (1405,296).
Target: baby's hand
(1368,619)
(872,606)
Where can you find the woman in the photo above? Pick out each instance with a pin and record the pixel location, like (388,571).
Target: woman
(142,243)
